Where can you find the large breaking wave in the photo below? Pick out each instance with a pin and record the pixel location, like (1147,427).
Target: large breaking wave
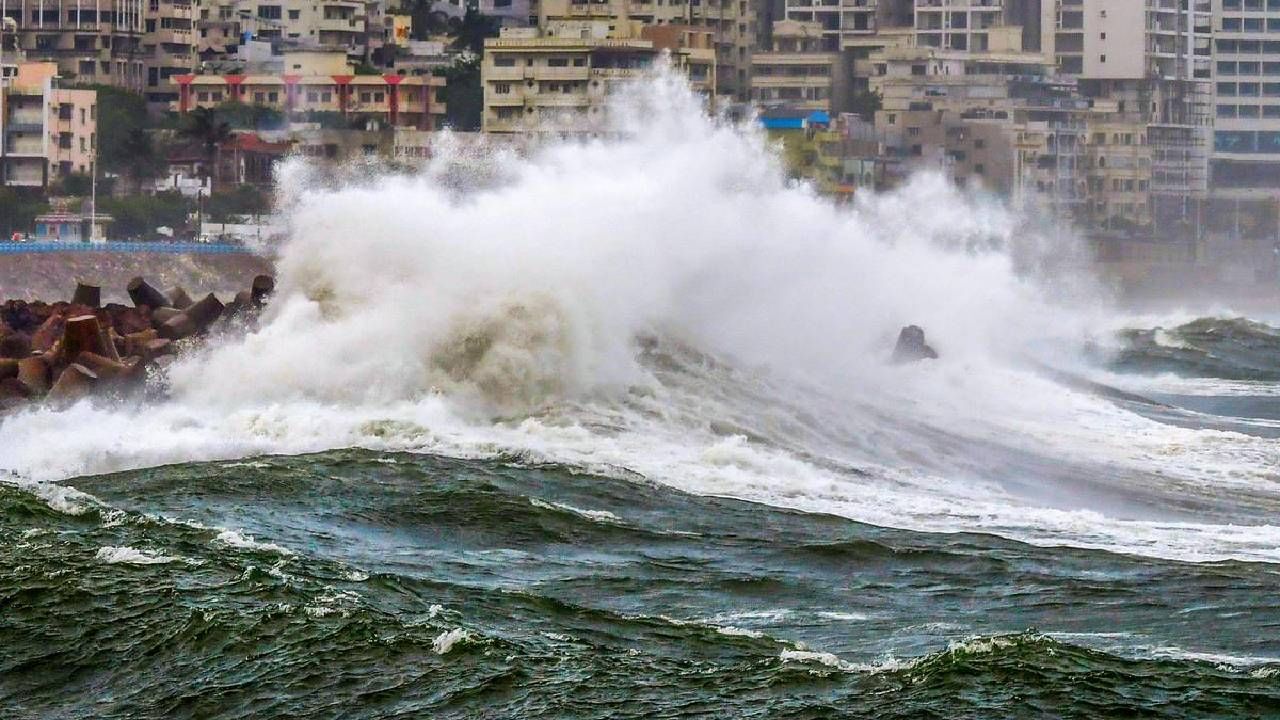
(664,302)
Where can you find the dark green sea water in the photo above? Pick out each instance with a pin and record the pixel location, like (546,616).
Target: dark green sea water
(363,564)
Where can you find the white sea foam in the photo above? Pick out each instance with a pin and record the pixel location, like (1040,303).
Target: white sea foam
(509,323)
(734,631)
(131,556)
(446,640)
(237,539)
(597,515)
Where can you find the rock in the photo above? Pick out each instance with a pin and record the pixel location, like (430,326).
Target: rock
(74,383)
(84,334)
(15,344)
(33,373)
(127,320)
(87,295)
(263,286)
(144,295)
(179,298)
(8,368)
(192,320)
(912,347)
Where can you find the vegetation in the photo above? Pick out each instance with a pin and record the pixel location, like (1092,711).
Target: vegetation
(242,116)
(865,105)
(138,216)
(244,200)
(463,95)
(471,32)
(125,147)
(207,127)
(19,208)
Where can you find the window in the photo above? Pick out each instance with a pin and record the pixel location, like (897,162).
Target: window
(502,88)
(295,14)
(269,12)
(64,140)
(313,97)
(64,112)
(558,62)
(83,144)
(502,61)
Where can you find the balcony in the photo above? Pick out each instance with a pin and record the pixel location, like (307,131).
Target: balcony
(557,73)
(558,100)
(24,126)
(494,72)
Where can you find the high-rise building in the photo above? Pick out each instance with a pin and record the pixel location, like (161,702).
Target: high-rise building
(1246,99)
(1150,63)
(796,71)
(732,23)
(168,46)
(90,41)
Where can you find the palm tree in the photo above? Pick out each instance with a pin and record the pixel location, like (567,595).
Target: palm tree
(204,126)
(144,160)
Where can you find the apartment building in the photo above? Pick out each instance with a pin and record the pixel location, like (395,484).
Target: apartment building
(46,132)
(169,46)
(355,26)
(1151,61)
(1246,101)
(322,84)
(796,71)
(90,41)
(983,25)
(732,23)
(558,79)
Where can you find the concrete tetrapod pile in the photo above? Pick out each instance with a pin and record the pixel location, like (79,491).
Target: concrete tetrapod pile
(64,351)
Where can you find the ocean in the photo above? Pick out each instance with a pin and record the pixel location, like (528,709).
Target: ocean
(610,430)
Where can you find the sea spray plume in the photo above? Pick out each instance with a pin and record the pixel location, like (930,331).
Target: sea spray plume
(678,224)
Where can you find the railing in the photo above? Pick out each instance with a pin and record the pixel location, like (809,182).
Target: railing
(12,248)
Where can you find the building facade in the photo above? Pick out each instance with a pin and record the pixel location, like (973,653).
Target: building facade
(90,41)
(1246,98)
(558,80)
(48,133)
(797,71)
(321,86)
(732,23)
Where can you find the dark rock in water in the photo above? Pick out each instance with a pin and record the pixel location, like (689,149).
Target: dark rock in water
(912,347)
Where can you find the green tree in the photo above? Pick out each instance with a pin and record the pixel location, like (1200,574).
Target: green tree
(138,216)
(147,162)
(473,29)
(207,127)
(463,94)
(19,208)
(243,200)
(242,116)
(865,105)
(120,114)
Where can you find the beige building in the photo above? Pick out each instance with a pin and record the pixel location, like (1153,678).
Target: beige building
(91,41)
(322,83)
(356,26)
(558,80)
(169,46)
(796,71)
(47,132)
(732,23)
